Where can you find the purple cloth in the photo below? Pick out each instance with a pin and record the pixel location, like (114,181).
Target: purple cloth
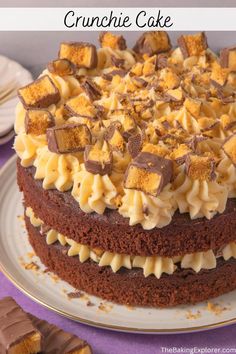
(108,342)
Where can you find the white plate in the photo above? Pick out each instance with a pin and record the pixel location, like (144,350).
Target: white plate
(5,138)
(9,71)
(41,287)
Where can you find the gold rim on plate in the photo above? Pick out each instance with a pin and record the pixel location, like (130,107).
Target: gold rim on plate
(100,324)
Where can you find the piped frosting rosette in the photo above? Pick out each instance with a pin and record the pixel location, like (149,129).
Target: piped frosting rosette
(147,210)
(56,171)
(199,198)
(93,192)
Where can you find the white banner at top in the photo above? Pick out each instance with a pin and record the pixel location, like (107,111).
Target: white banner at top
(117,19)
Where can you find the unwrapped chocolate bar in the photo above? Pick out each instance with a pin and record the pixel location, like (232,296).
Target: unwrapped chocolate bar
(148,173)
(39,94)
(18,335)
(68,138)
(56,341)
(81,54)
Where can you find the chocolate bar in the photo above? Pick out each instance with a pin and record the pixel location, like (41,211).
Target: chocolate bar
(18,335)
(39,94)
(229,148)
(228,58)
(98,159)
(61,67)
(57,341)
(201,168)
(92,89)
(80,106)
(114,137)
(37,121)
(68,138)
(193,44)
(153,42)
(81,54)
(135,144)
(112,41)
(148,173)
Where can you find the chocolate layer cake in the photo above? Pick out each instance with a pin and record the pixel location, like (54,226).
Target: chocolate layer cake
(127,168)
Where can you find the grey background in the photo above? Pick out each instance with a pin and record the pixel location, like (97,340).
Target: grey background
(35,49)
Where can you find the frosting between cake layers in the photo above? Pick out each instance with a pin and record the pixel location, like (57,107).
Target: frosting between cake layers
(150,264)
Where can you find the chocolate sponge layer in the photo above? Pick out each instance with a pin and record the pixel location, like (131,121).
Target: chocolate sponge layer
(130,286)
(112,232)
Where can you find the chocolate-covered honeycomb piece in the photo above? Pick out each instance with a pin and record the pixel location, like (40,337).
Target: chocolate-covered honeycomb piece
(61,67)
(118,72)
(228,58)
(92,89)
(117,62)
(37,121)
(112,41)
(168,79)
(175,95)
(200,168)
(81,106)
(81,54)
(153,42)
(229,147)
(98,159)
(219,76)
(68,138)
(193,44)
(129,126)
(39,94)
(148,173)
(206,123)
(159,150)
(17,332)
(115,138)
(180,153)
(228,122)
(193,106)
(135,144)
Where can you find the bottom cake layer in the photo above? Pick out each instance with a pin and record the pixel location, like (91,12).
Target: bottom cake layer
(130,287)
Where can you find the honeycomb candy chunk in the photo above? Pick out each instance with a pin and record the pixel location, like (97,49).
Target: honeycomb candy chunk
(68,138)
(148,173)
(81,54)
(39,94)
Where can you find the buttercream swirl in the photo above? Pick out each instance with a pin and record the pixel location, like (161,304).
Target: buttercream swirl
(56,171)
(200,198)
(147,210)
(93,192)
(26,147)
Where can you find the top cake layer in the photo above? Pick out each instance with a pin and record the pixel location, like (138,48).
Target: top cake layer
(144,131)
